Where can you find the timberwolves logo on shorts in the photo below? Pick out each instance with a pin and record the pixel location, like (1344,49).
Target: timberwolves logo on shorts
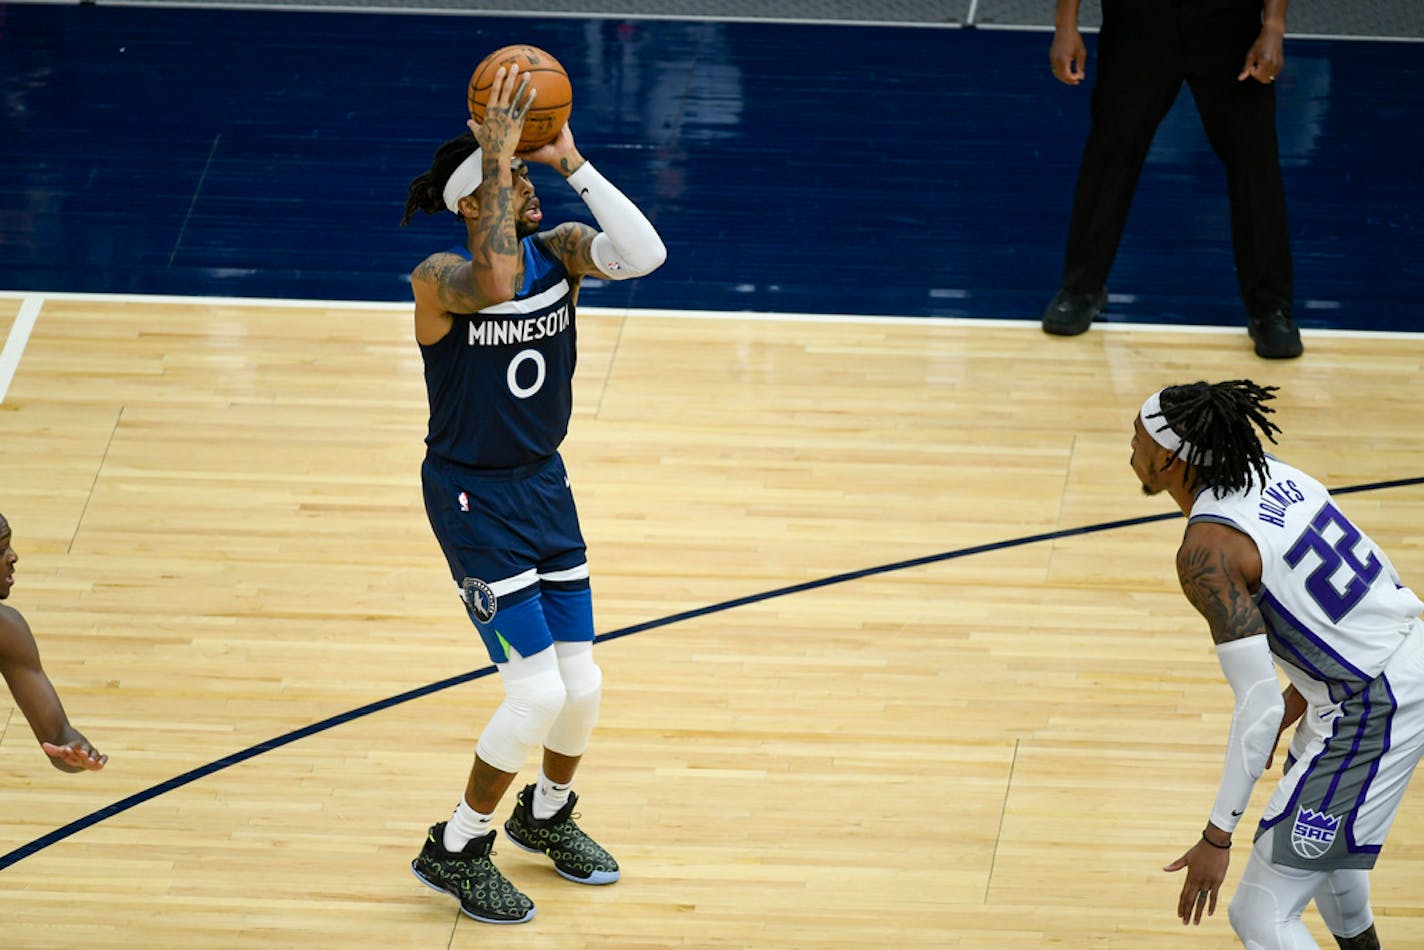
(1313,833)
(479,598)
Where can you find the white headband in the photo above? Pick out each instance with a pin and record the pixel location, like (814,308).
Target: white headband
(1162,433)
(463,180)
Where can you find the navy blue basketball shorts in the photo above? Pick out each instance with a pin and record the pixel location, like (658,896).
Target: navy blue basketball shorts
(515,551)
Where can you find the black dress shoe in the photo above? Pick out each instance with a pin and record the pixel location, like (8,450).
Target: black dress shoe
(1070,314)
(1276,336)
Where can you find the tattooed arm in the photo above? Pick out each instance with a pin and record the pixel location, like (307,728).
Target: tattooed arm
(627,246)
(447,283)
(1219,569)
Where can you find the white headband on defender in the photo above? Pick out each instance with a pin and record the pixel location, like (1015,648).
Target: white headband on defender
(463,180)
(1162,433)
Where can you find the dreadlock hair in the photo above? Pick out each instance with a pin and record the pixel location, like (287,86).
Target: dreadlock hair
(1218,422)
(427,189)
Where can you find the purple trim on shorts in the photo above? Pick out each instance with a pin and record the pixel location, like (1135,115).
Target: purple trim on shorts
(1294,803)
(1350,756)
(1374,770)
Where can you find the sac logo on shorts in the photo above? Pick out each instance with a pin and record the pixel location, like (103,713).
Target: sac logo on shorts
(481,600)
(1313,833)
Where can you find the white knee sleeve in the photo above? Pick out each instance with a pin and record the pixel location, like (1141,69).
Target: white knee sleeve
(533,696)
(583,681)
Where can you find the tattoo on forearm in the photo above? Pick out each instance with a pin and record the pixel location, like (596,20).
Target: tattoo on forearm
(572,243)
(1229,610)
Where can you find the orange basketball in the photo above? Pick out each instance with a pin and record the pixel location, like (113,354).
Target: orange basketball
(552,103)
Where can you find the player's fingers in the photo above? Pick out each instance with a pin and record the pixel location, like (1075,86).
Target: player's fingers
(523,98)
(512,85)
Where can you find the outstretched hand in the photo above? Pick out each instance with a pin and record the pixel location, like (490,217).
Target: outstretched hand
(1206,870)
(75,756)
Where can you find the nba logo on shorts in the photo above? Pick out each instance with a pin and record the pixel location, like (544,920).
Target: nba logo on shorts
(479,598)
(464,501)
(1313,833)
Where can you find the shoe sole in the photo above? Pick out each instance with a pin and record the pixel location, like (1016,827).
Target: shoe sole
(596,878)
(484,920)
(1067,330)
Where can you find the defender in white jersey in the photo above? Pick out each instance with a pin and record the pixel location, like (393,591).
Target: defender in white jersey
(1285,579)
(495,321)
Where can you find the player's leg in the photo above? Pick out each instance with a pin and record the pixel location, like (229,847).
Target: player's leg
(479,527)
(1344,904)
(1266,909)
(543,814)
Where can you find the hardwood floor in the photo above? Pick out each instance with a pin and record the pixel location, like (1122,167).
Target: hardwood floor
(850,699)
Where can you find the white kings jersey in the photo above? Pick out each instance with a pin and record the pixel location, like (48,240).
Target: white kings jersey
(1333,602)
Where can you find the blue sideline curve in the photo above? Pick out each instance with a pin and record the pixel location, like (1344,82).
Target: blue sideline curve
(123,805)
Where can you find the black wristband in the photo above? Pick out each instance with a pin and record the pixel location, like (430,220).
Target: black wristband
(1223,847)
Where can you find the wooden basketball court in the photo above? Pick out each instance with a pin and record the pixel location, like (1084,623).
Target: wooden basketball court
(872,688)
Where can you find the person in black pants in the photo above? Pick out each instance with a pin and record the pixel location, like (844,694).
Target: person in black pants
(1229,53)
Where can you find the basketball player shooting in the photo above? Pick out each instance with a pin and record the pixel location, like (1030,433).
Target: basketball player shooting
(495,322)
(1284,579)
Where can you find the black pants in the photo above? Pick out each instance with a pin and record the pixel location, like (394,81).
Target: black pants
(1146,50)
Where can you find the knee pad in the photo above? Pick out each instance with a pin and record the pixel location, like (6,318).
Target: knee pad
(534,694)
(583,682)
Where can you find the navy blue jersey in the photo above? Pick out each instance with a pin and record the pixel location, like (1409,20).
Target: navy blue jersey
(500,383)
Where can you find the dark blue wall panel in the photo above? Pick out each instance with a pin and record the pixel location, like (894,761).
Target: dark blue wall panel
(790,167)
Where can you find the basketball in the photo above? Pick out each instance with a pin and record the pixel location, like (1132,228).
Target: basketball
(552,104)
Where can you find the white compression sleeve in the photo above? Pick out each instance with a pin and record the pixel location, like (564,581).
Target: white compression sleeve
(1254,724)
(628,245)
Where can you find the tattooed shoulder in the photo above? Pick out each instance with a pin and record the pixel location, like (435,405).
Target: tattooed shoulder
(438,269)
(1217,589)
(448,275)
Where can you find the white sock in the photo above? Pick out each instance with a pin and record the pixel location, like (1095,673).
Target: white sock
(465,825)
(549,797)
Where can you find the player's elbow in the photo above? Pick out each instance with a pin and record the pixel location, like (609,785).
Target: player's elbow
(647,260)
(493,287)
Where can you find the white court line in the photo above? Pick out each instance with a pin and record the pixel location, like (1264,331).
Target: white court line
(19,335)
(405,309)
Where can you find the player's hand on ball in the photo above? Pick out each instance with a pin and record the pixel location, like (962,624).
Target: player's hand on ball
(552,152)
(509,102)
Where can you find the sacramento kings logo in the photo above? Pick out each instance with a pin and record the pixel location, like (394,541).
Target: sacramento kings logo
(1313,833)
(479,598)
